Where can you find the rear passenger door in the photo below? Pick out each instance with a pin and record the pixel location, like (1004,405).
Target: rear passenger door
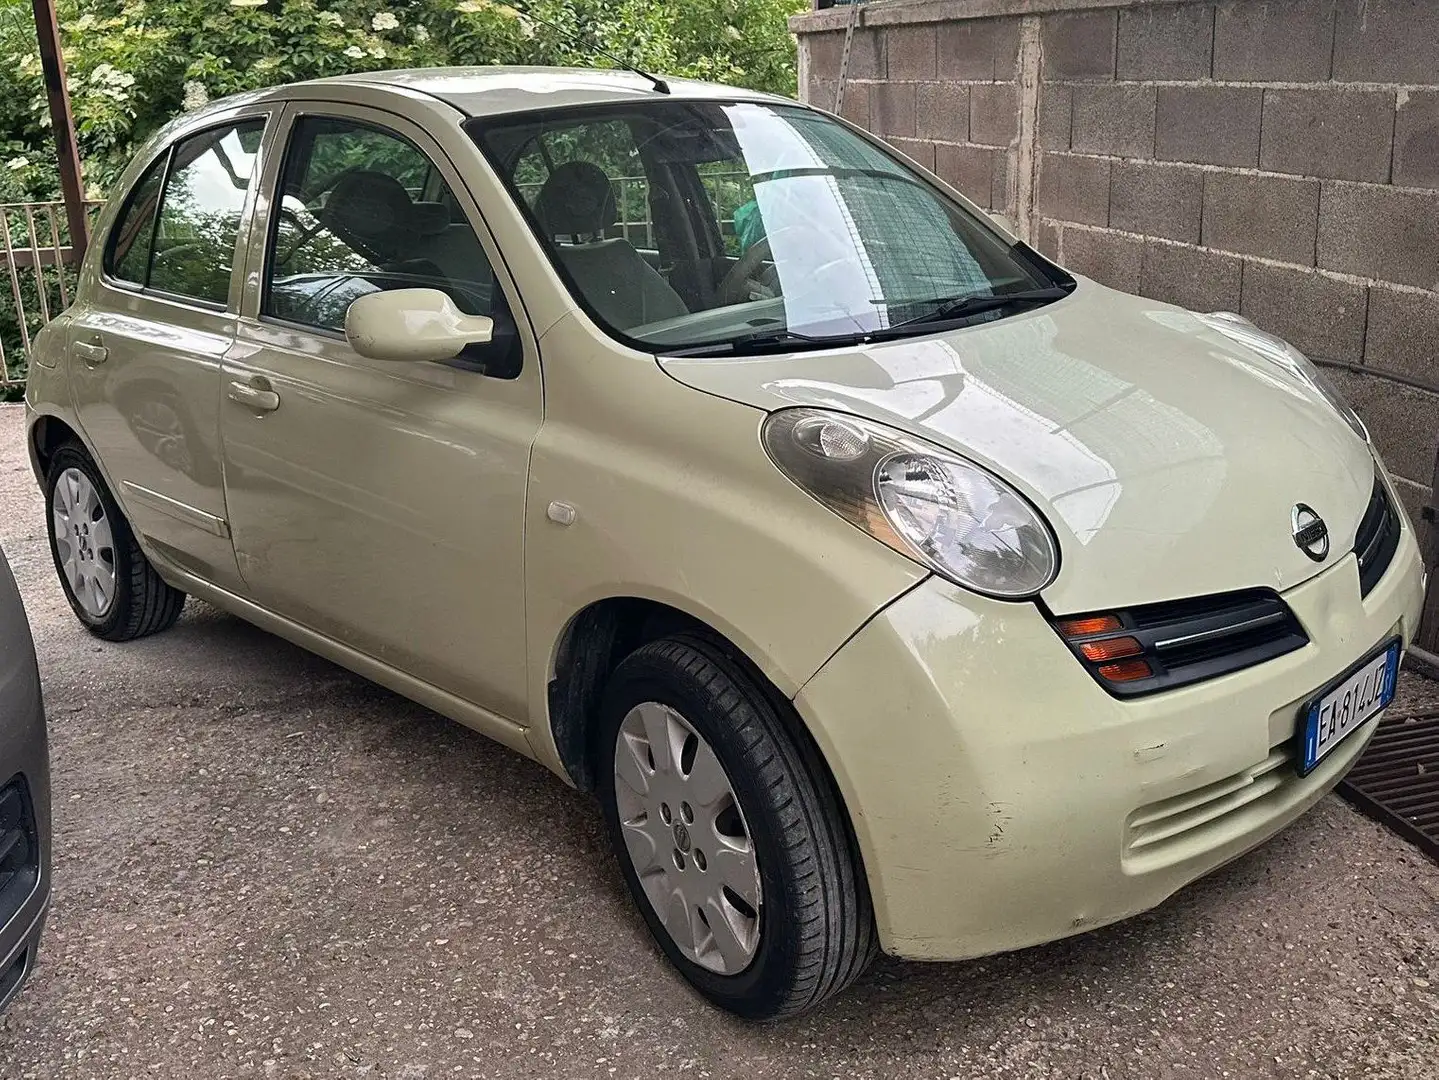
(146,349)
(381,503)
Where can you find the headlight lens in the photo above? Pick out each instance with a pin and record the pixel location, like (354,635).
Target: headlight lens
(926,503)
(1238,328)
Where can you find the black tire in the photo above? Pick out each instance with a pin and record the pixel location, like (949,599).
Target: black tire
(143,603)
(816,922)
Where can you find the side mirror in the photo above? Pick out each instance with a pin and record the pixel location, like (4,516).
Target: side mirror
(413,324)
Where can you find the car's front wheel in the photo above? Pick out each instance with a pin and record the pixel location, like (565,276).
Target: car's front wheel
(729,832)
(112,587)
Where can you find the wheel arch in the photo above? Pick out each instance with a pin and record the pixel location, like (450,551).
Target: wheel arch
(48,432)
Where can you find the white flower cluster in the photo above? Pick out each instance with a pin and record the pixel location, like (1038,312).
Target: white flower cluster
(331,18)
(384,20)
(17,163)
(196,96)
(421,34)
(110,81)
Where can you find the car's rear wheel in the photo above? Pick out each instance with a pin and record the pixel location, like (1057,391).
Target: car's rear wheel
(111,586)
(729,832)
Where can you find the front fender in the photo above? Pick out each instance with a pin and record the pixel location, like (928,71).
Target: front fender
(675,501)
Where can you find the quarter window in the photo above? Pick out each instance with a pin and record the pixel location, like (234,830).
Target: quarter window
(364,210)
(134,232)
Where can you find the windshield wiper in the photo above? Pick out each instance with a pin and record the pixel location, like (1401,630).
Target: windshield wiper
(958,307)
(767,339)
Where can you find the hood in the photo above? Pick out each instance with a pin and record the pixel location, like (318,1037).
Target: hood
(1167,457)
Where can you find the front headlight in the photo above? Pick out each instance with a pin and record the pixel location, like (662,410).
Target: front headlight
(1238,328)
(926,503)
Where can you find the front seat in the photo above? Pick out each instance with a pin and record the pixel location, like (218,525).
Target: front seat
(578,202)
(372,213)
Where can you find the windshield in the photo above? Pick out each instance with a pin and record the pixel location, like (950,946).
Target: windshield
(682,225)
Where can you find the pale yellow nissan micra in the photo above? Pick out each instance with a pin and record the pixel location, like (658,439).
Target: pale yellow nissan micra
(892,588)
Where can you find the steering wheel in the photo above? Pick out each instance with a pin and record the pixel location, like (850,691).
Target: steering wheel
(747,276)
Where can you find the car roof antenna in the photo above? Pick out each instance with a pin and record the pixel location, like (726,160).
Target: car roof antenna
(660,85)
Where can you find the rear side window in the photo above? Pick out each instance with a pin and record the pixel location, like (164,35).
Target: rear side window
(188,247)
(135,231)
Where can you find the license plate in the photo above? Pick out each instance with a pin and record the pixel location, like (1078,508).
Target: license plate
(1342,709)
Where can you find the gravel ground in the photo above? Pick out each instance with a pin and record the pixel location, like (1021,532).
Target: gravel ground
(267,867)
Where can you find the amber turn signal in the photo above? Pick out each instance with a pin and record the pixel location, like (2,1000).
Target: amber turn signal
(1126,671)
(1094,624)
(1110,649)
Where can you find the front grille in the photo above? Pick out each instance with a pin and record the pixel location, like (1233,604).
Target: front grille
(19,848)
(1168,829)
(1188,641)
(1377,538)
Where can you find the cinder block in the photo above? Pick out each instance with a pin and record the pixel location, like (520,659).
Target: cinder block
(1114,119)
(942,111)
(1074,188)
(1158,200)
(1109,258)
(819,92)
(1047,239)
(970,169)
(1261,215)
(1191,277)
(1056,104)
(1078,45)
(999,183)
(917,150)
(1381,233)
(1317,314)
(892,109)
(910,51)
(1274,41)
(1416,139)
(1208,125)
(1386,41)
(994,114)
(855,107)
(1169,42)
(1331,132)
(1403,332)
(1403,420)
(866,54)
(979,49)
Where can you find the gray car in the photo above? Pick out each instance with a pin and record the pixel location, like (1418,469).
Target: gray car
(24,795)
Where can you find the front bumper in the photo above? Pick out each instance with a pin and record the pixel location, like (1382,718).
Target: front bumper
(1001,798)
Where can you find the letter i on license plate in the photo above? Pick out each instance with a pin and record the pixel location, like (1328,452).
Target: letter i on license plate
(1342,709)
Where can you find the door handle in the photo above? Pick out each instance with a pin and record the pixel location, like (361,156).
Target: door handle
(90,352)
(255,394)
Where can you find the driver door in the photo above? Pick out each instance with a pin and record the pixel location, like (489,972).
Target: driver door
(378,503)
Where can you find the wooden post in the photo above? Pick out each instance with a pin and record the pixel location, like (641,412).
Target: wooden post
(67,154)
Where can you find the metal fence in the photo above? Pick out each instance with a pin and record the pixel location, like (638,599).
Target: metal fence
(38,279)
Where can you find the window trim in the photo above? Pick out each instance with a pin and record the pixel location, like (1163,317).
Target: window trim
(316,110)
(108,277)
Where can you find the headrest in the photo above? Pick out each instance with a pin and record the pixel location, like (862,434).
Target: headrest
(577,199)
(373,208)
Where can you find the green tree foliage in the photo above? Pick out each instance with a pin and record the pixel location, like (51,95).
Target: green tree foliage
(134,64)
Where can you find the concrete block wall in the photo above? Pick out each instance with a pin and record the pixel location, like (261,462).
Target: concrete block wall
(1279,158)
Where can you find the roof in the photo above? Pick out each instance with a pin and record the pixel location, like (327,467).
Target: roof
(487,91)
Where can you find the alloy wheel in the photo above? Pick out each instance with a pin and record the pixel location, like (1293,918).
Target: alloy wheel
(687,838)
(84,543)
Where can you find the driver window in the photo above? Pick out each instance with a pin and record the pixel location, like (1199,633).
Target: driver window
(363,210)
